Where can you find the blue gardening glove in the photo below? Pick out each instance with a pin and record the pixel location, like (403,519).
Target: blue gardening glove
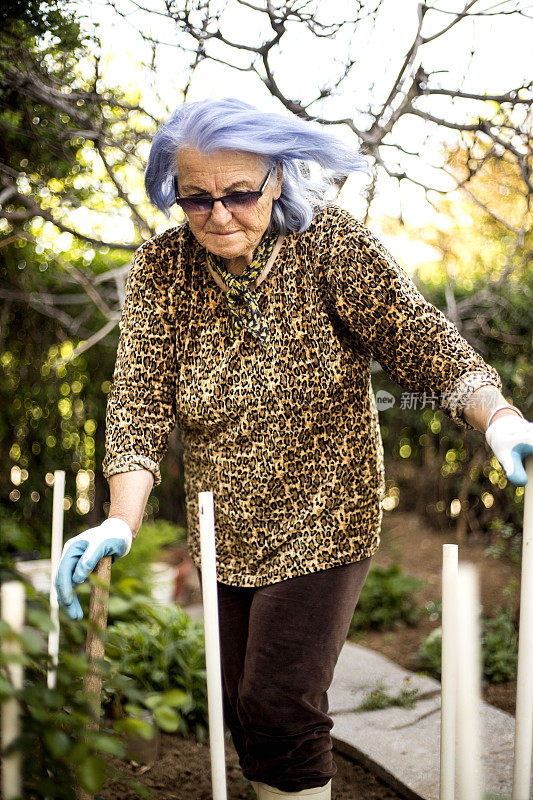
(82,553)
(511,439)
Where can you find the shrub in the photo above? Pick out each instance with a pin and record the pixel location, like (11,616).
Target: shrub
(58,751)
(499,649)
(162,660)
(508,541)
(144,550)
(386,600)
(429,653)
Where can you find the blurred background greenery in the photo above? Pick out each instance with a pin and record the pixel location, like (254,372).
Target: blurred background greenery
(72,150)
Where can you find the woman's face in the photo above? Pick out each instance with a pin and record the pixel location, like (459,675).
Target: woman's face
(231,235)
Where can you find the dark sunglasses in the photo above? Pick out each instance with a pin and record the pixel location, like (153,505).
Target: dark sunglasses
(236,201)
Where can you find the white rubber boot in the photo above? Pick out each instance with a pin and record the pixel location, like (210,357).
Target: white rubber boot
(265,792)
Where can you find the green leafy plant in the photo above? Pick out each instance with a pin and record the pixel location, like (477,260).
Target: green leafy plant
(429,653)
(386,600)
(58,750)
(508,541)
(161,661)
(499,649)
(145,548)
(379,698)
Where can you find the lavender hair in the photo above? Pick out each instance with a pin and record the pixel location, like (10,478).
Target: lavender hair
(231,124)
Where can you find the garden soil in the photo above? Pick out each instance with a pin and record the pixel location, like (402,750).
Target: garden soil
(182,772)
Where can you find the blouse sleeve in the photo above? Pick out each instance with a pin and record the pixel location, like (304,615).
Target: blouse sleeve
(141,406)
(417,345)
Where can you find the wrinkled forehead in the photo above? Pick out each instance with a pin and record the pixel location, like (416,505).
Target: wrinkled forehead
(221,168)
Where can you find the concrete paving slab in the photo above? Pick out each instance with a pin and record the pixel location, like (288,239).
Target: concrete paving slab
(402,746)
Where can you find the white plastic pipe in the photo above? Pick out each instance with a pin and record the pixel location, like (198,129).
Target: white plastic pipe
(524,685)
(468,753)
(55,557)
(448,671)
(13,597)
(212,644)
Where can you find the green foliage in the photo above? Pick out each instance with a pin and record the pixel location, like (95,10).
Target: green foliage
(15,534)
(161,659)
(37,18)
(386,600)
(58,750)
(500,647)
(51,420)
(379,698)
(508,541)
(429,653)
(499,643)
(151,538)
(430,459)
(52,94)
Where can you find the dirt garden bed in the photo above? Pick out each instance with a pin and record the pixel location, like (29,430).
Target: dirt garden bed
(182,772)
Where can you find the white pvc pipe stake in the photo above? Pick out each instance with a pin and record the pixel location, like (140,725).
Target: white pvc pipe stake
(448,671)
(524,685)
(12,600)
(212,644)
(468,753)
(55,557)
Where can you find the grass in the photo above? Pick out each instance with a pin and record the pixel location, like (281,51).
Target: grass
(379,698)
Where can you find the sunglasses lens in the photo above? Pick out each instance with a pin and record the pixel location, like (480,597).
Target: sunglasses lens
(196,205)
(240,200)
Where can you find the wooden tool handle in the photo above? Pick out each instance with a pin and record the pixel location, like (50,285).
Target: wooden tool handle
(95,648)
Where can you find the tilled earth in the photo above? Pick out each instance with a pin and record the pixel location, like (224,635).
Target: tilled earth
(182,771)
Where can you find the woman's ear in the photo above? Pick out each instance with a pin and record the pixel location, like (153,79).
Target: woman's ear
(279,176)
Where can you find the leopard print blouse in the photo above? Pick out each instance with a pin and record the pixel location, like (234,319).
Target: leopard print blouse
(288,439)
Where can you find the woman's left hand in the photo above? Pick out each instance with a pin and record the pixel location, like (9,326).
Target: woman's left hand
(511,439)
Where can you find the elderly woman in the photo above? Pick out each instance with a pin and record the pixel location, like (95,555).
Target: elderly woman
(252,326)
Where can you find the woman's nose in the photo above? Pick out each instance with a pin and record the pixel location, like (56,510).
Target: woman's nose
(220,213)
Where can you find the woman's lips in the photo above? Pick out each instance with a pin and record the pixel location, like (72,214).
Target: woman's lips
(224,233)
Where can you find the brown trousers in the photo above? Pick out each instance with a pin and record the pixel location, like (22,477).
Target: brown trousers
(279,646)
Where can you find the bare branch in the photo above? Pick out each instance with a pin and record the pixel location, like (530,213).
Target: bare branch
(40,305)
(511,96)
(143,224)
(33,209)
(79,277)
(458,17)
(401,77)
(86,345)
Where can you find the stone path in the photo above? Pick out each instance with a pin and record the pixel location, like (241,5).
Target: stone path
(402,746)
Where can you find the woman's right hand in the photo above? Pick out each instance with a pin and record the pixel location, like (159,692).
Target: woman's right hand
(82,553)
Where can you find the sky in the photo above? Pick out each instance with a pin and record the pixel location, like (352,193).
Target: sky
(478,55)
